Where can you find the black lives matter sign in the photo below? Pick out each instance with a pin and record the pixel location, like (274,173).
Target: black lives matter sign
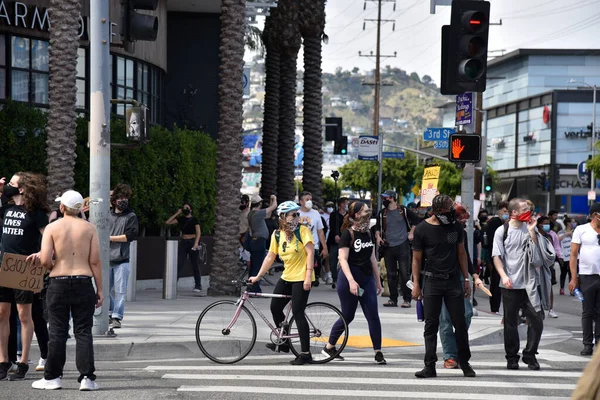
(17,273)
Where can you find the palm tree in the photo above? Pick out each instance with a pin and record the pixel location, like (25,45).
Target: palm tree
(288,33)
(229,170)
(62,96)
(312,25)
(271,107)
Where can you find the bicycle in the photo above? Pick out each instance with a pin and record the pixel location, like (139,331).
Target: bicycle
(226,329)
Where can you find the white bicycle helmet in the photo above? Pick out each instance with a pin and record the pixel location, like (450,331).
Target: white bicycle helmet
(286,207)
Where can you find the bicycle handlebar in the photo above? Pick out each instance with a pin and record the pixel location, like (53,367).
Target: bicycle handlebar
(241,282)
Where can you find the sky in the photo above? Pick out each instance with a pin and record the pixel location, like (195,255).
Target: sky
(417,36)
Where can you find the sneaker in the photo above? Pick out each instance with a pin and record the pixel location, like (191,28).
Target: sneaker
(302,359)
(552,314)
(588,350)
(41,365)
(333,285)
(513,364)
(406,304)
(427,372)
(329,281)
(562,292)
(52,384)
(115,323)
(450,364)
(532,363)
(316,283)
(88,385)
(379,358)
(13,368)
(468,370)
(331,352)
(4,367)
(197,289)
(284,347)
(20,374)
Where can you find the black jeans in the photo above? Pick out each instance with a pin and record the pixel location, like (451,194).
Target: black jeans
(299,300)
(590,287)
(185,250)
(75,296)
(494,287)
(397,261)
(452,293)
(513,301)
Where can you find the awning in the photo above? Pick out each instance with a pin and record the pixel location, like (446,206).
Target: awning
(504,189)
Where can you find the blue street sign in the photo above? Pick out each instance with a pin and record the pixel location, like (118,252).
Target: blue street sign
(434,134)
(440,144)
(393,154)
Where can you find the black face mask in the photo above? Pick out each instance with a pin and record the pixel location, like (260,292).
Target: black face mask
(10,191)
(446,218)
(483,219)
(186,211)
(122,205)
(386,203)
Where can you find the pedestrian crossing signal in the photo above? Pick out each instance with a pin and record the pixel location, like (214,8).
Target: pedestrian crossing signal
(464,148)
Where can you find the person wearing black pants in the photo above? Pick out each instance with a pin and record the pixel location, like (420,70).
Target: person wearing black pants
(359,281)
(293,243)
(492,225)
(439,240)
(336,221)
(513,301)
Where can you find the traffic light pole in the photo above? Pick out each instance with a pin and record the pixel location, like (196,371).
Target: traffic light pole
(99,141)
(592,177)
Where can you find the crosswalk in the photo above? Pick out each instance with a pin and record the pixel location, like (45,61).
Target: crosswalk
(358,377)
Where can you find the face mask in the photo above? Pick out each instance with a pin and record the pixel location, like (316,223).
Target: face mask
(483,219)
(546,227)
(122,205)
(329,210)
(10,191)
(386,203)
(446,218)
(505,217)
(292,225)
(186,211)
(525,217)
(308,204)
(361,224)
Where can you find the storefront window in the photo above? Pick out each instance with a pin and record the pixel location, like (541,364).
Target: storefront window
(30,65)
(2,67)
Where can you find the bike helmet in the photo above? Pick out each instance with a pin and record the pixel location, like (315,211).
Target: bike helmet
(286,207)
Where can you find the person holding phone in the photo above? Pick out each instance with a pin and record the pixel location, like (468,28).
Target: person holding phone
(359,281)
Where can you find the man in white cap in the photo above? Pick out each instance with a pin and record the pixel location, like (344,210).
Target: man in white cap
(76,249)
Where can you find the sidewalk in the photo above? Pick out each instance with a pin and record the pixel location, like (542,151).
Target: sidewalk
(156,328)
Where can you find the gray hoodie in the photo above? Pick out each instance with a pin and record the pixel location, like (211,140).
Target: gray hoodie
(124,223)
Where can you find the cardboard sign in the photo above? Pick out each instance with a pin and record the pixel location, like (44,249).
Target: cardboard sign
(16,273)
(429,189)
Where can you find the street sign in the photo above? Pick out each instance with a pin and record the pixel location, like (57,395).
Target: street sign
(440,144)
(393,154)
(368,148)
(582,173)
(432,134)
(464,109)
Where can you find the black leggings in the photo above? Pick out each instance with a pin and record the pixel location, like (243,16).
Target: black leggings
(299,300)
(565,268)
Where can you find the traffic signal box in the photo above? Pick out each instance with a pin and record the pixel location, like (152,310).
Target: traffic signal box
(465,47)
(464,148)
(136,26)
(340,146)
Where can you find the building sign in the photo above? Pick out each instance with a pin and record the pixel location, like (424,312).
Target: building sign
(581,134)
(464,109)
(20,15)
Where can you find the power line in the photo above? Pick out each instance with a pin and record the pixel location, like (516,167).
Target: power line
(571,7)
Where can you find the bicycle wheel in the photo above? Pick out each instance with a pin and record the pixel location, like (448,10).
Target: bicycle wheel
(321,317)
(222,345)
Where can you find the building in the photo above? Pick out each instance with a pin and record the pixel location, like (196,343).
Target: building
(176,76)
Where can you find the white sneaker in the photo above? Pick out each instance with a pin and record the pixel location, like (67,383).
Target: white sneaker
(552,314)
(88,385)
(13,368)
(41,365)
(52,384)
(329,280)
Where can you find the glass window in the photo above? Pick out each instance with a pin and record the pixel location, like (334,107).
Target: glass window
(129,73)
(2,50)
(80,93)
(2,83)
(81,63)
(39,55)
(40,88)
(120,71)
(20,52)
(20,85)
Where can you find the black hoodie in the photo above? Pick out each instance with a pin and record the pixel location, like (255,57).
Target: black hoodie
(124,223)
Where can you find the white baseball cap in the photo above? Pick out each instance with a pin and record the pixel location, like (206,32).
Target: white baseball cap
(71,199)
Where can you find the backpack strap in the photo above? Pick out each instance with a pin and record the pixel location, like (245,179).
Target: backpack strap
(505,234)
(277,234)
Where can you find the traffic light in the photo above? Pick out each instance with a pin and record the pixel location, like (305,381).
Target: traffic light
(135,26)
(138,123)
(464,148)
(333,128)
(489,184)
(541,181)
(465,47)
(340,146)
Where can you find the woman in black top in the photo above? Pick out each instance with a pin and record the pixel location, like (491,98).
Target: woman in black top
(359,280)
(189,230)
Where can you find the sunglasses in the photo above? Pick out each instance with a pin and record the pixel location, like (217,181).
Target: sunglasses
(294,215)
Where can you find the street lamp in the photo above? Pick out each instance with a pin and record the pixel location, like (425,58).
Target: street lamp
(593,179)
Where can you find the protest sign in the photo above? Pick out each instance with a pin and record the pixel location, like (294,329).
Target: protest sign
(17,273)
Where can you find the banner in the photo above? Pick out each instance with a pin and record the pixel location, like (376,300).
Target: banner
(429,190)
(368,148)
(16,273)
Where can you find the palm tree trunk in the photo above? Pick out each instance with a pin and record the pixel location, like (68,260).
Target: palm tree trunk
(312,24)
(62,96)
(271,113)
(288,31)
(229,170)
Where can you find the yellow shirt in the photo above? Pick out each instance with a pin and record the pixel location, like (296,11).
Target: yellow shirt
(292,254)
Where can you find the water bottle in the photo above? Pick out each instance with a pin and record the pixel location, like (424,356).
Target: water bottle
(578,294)
(485,239)
(420,313)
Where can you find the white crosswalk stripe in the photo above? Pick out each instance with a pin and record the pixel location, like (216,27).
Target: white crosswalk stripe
(353,379)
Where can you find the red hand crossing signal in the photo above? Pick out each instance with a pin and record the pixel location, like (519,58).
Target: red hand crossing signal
(464,148)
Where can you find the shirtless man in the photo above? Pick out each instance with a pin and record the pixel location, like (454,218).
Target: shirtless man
(76,249)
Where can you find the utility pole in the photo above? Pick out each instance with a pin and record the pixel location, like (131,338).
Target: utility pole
(377,83)
(99,142)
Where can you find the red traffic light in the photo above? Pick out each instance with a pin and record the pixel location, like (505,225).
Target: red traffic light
(475,20)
